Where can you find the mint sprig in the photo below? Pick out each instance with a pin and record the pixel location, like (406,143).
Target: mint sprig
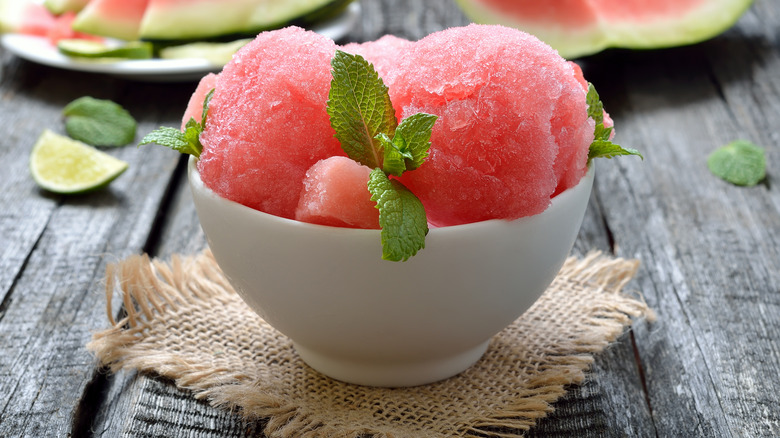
(602,146)
(187,141)
(363,117)
(99,122)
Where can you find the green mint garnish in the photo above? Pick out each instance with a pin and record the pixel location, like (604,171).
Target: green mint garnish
(602,147)
(187,141)
(364,120)
(402,217)
(740,162)
(99,122)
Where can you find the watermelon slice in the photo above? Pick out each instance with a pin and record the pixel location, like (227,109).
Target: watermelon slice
(583,27)
(112,18)
(195,19)
(185,20)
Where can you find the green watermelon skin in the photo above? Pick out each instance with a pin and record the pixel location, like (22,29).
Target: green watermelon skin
(182,20)
(578,27)
(58,7)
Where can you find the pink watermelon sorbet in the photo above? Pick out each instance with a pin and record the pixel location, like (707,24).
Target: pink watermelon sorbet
(512,130)
(267,122)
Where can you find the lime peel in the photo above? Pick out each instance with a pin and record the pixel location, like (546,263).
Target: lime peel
(62,165)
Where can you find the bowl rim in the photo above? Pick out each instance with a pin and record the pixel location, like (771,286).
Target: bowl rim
(196,183)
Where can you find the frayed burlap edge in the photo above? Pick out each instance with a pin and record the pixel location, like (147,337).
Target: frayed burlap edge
(152,288)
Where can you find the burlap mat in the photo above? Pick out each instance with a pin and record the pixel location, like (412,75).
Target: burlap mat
(183,321)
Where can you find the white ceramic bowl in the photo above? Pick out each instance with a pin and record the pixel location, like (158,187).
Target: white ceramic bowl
(361,319)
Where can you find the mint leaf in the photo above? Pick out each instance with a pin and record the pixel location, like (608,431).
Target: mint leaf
(409,147)
(206,102)
(595,107)
(394,160)
(413,138)
(359,108)
(740,162)
(607,149)
(401,216)
(602,146)
(99,122)
(187,141)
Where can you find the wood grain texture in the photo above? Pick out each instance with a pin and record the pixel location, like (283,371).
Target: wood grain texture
(55,248)
(709,251)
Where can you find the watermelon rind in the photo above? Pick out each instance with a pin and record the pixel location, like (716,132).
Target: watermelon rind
(704,22)
(79,48)
(216,53)
(58,7)
(163,22)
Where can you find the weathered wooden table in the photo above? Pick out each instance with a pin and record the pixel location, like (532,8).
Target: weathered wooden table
(710,251)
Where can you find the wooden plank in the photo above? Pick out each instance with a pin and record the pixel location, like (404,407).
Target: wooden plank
(53,303)
(709,249)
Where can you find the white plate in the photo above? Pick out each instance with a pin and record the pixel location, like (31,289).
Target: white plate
(41,51)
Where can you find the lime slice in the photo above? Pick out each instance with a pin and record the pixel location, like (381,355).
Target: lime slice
(216,53)
(95,49)
(62,165)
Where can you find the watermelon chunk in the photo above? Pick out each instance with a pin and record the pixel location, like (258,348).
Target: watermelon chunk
(119,19)
(583,27)
(335,192)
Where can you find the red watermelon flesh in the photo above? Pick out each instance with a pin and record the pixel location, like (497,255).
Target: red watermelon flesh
(384,53)
(36,20)
(575,13)
(582,27)
(335,193)
(579,13)
(267,121)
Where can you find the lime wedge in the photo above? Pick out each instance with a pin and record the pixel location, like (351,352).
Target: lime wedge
(62,165)
(95,49)
(216,53)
